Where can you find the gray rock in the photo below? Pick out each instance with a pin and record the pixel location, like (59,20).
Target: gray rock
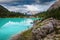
(44,30)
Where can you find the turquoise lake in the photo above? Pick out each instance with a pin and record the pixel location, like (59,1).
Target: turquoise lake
(12,26)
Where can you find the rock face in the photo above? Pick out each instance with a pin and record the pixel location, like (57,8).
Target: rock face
(44,30)
(55,5)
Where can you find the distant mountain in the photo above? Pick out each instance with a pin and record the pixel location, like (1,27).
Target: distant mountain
(6,13)
(55,5)
(2,9)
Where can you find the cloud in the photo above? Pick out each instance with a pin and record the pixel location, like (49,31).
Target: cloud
(24,1)
(30,9)
(3,1)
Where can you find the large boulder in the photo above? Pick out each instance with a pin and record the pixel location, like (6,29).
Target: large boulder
(44,30)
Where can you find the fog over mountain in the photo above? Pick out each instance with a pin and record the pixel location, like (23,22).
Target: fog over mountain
(30,7)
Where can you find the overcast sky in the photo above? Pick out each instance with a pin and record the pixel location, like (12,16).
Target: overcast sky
(27,6)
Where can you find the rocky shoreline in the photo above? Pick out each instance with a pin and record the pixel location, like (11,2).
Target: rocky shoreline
(48,29)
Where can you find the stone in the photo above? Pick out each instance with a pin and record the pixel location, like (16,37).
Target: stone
(44,30)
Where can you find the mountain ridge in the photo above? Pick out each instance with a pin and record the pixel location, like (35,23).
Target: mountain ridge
(55,5)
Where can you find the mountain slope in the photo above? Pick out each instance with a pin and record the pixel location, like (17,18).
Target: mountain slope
(2,9)
(55,5)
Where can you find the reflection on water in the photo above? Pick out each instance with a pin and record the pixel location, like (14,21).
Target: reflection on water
(11,26)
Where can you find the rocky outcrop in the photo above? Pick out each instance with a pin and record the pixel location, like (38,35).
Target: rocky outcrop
(46,30)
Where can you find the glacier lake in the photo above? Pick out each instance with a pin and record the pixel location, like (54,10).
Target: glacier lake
(12,26)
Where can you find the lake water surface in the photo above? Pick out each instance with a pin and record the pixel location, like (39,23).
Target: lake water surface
(12,26)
